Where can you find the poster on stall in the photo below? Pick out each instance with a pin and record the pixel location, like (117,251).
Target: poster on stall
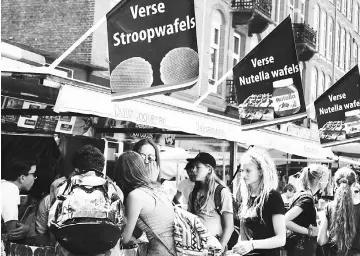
(66,124)
(268,82)
(14,104)
(152,48)
(26,121)
(338,111)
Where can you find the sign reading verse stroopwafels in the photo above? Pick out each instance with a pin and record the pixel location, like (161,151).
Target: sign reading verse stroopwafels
(338,111)
(152,48)
(268,82)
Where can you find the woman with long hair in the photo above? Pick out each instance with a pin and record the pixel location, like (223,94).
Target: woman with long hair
(262,222)
(340,225)
(301,217)
(146,205)
(217,218)
(151,156)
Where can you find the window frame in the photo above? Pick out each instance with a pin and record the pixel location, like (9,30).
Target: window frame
(215,26)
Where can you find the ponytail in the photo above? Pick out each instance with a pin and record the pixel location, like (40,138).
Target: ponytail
(343,228)
(304,178)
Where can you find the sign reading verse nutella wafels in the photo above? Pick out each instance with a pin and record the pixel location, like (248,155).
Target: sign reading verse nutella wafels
(268,82)
(338,111)
(152,47)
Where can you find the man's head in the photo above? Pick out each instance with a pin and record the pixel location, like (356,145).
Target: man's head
(190,170)
(290,190)
(22,171)
(88,157)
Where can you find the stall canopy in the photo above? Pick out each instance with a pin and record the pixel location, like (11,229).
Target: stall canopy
(168,113)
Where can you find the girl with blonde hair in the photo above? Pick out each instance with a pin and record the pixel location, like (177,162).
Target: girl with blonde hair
(340,225)
(301,217)
(219,222)
(262,222)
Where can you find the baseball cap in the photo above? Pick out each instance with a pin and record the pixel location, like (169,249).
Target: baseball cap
(190,164)
(204,158)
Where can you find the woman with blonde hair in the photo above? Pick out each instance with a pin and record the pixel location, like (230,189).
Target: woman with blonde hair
(340,225)
(217,218)
(301,217)
(262,222)
(146,205)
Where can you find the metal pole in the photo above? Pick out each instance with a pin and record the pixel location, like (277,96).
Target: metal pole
(77,43)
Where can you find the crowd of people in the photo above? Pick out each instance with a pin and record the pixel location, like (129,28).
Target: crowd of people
(271,223)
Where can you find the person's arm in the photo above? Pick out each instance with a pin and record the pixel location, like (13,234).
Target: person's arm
(132,211)
(227,221)
(18,232)
(227,217)
(177,197)
(244,247)
(323,237)
(292,214)
(280,235)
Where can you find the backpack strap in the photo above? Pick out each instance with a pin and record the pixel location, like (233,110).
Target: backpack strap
(157,236)
(217,198)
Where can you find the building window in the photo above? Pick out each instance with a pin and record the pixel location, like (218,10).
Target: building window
(348,52)
(355,53)
(342,49)
(237,48)
(321,84)
(315,83)
(215,46)
(328,82)
(330,39)
(317,24)
(356,18)
(349,9)
(337,45)
(291,9)
(338,5)
(302,12)
(277,11)
(323,33)
(343,6)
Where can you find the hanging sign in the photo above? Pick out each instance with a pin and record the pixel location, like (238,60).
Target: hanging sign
(338,111)
(268,82)
(152,48)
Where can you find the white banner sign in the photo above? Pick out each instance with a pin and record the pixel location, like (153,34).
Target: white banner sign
(157,114)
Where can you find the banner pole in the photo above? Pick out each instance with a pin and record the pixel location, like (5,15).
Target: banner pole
(213,87)
(77,43)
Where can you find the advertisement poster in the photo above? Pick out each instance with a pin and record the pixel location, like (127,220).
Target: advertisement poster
(268,82)
(28,121)
(66,124)
(14,104)
(338,111)
(152,48)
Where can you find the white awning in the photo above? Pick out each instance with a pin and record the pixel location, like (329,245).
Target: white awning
(168,113)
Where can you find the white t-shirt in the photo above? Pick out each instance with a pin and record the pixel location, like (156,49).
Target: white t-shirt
(185,187)
(10,200)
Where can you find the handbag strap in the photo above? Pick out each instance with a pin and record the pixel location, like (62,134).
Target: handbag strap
(157,236)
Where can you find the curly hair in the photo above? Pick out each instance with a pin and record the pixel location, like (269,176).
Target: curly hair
(88,157)
(343,221)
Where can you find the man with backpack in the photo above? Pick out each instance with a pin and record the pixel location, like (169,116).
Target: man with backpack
(87,216)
